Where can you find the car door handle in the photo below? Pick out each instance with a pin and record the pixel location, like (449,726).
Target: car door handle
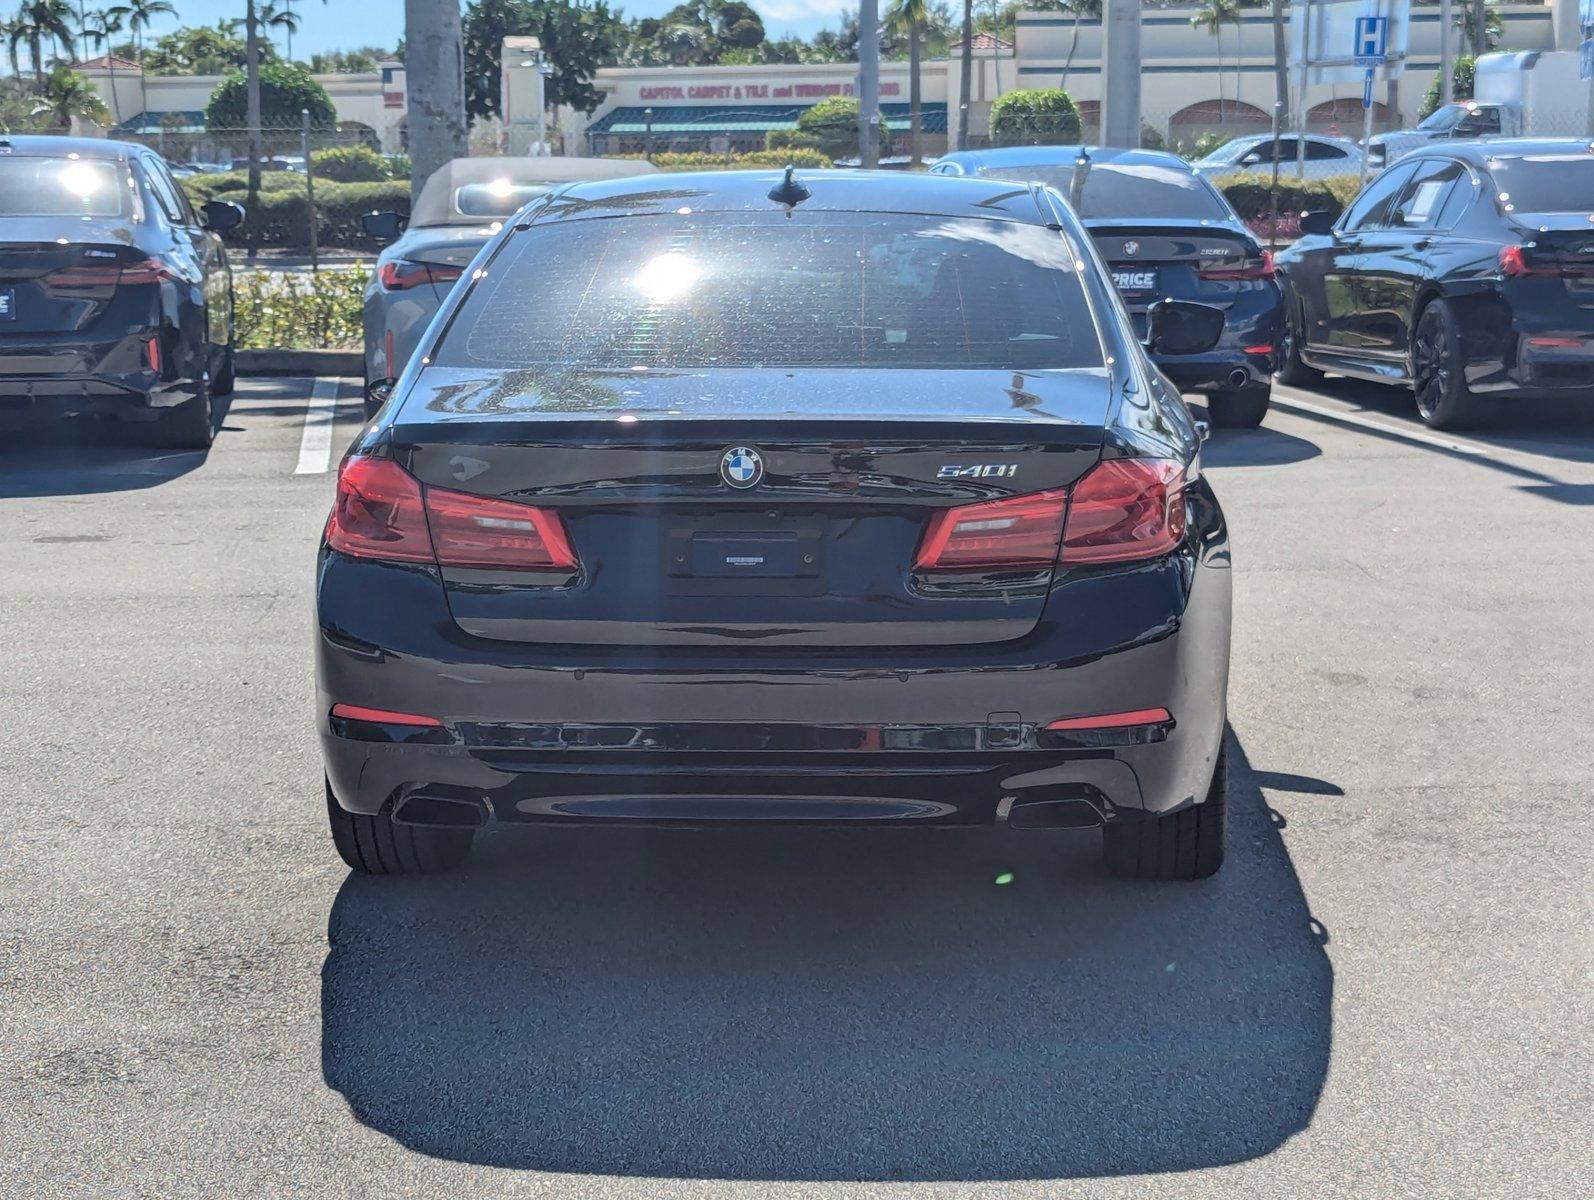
(1422,243)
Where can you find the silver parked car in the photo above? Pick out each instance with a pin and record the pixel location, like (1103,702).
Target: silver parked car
(462,205)
(1253,155)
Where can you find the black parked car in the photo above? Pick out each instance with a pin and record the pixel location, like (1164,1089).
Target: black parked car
(1464,272)
(729,497)
(1165,233)
(115,294)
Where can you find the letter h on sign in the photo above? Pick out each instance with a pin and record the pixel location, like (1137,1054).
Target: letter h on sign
(1372,38)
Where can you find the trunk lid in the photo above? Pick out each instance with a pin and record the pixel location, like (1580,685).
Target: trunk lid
(818,553)
(47,287)
(1153,260)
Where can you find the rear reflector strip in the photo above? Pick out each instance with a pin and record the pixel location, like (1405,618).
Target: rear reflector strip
(1264,348)
(381,716)
(1121,720)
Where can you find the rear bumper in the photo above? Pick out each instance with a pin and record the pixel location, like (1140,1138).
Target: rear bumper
(1244,357)
(54,379)
(913,736)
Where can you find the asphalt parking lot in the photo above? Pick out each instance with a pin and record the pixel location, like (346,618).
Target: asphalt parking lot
(1384,993)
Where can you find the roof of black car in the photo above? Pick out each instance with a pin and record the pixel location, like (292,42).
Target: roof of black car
(829,191)
(46,145)
(1036,156)
(1483,149)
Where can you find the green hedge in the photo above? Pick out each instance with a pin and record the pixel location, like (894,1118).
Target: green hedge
(1035,117)
(1251,197)
(280,215)
(697,160)
(292,311)
(351,164)
(833,124)
(790,139)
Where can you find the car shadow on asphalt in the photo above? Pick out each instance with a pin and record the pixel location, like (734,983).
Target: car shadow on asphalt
(88,458)
(814,1005)
(1261,447)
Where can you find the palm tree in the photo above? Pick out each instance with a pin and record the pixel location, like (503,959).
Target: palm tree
(1078,9)
(908,17)
(68,95)
(1480,26)
(279,14)
(1212,17)
(139,16)
(966,74)
(35,24)
(100,27)
(11,31)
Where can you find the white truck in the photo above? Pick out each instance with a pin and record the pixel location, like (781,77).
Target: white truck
(1532,93)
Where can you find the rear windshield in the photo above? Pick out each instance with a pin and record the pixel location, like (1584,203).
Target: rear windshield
(764,290)
(1125,190)
(499,198)
(64,187)
(1545,183)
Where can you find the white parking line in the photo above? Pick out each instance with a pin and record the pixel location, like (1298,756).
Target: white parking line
(315,445)
(1294,404)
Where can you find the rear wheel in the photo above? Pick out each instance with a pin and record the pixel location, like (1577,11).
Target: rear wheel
(378,845)
(1291,369)
(189,426)
(1242,408)
(224,379)
(1443,400)
(1187,844)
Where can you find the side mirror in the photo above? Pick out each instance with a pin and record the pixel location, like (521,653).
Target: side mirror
(1251,159)
(383,226)
(1180,327)
(1317,222)
(221,215)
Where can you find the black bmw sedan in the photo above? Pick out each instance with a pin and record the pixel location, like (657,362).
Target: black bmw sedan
(1464,272)
(115,294)
(1165,232)
(845,499)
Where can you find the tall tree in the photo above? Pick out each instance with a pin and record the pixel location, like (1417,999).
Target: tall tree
(139,15)
(99,27)
(1078,9)
(966,74)
(38,23)
(576,40)
(907,18)
(433,60)
(1212,16)
(66,95)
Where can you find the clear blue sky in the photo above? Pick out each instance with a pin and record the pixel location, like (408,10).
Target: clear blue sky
(340,24)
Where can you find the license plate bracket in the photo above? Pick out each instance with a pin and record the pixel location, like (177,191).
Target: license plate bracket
(1134,282)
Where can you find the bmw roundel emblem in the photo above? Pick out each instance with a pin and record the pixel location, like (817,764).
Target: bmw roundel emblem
(1131,248)
(741,466)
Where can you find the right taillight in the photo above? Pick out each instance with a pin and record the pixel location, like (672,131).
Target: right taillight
(1120,511)
(401,274)
(382,511)
(1125,509)
(1514,262)
(1260,267)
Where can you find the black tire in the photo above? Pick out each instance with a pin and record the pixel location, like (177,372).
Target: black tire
(1438,382)
(380,846)
(1292,370)
(1242,408)
(376,395)
(1187,844)
(189,426)
(225,377)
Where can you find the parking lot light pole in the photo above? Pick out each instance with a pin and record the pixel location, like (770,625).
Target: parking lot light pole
(1120,118)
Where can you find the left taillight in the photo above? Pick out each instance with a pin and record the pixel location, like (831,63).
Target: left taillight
(1122,510)
(401,274)
(382,511)
(1251,268)
(95,275)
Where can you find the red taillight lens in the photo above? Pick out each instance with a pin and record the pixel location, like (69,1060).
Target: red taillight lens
(475,531)
(151,270)
(1122,510)
(1125,509)
(1252,268)
(400,275)
(1020,532)
(1120,720)
(381,716)
(1513,262)
(382,511)
(379,513)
